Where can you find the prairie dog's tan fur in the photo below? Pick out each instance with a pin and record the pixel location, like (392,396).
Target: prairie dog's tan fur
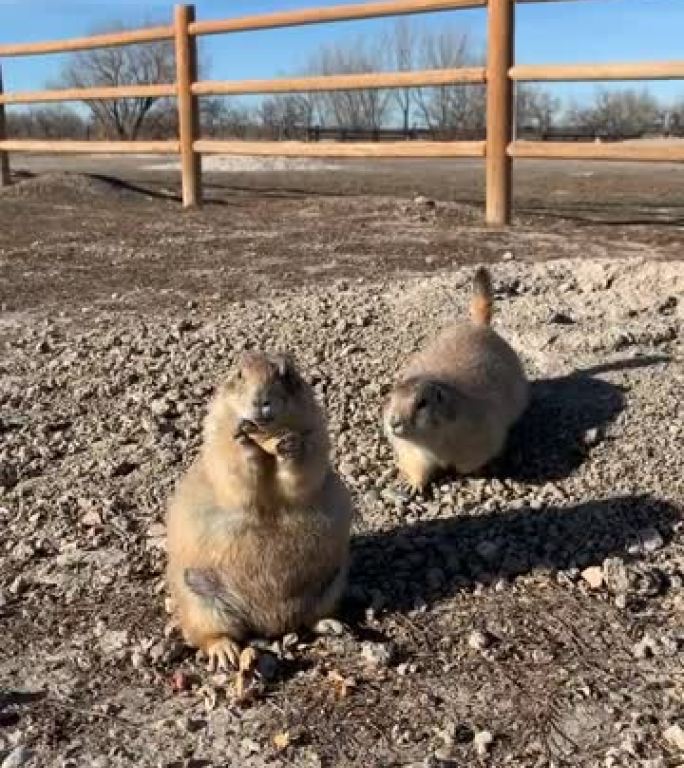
(483,298)
(455,400)
(258,529)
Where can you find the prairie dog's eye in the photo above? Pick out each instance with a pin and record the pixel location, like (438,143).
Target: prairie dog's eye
(421,404)
(436,394)
(238,374)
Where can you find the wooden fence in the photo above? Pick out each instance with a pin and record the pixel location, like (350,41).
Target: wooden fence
(500,74)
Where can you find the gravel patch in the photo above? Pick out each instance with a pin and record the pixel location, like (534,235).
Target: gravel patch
(529,616)
(251,164)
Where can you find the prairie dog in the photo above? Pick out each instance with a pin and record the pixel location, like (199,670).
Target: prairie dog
(258,529)
(454,402)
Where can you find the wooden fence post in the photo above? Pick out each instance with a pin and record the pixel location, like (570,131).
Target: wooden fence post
(500,57)
(188,110)
(4,156)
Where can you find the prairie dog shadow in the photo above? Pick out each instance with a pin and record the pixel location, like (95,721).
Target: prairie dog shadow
(551,439)
(430,560)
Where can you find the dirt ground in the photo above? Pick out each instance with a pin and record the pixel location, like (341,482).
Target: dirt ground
(273,230)
(530,616)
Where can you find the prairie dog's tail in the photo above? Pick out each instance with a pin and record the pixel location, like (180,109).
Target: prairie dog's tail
(482,300)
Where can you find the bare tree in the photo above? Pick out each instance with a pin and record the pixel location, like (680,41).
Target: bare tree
(618,113)
(403,54)
(673,119)
(358,109)
(288,116)
(139,64)
(450,107)
(214,116)
(535,107)
(57,122)
(239,121)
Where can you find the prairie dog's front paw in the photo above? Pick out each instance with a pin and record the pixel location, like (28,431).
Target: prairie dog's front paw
(245,430)
(222,654)
(291,446)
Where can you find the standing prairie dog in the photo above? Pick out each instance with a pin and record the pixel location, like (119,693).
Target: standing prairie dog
(454,402)
(258,529)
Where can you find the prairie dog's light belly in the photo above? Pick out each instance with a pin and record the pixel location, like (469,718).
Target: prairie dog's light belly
(237,544)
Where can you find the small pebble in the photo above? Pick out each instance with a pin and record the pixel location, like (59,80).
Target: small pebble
(593,576)
(17,757)
(424,201)
(397,497)
(645,648)
(592,436)
(377,654)
(18,586)
(483,741)
(560,318)
(651,540)
(329,627)
(674,735)
(479,640)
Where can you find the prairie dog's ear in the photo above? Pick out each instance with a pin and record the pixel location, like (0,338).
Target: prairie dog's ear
(287,371)
(244,362)
(285,364)
(247,358)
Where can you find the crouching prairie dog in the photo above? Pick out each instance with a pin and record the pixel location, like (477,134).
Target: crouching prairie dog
(454,402)
(258,529)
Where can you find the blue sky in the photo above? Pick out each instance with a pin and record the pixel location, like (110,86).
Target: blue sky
(551,32)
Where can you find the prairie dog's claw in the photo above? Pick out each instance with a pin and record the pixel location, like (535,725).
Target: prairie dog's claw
(248,659)
(413,485)
(223,654)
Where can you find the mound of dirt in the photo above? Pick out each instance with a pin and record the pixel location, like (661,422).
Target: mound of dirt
(72,186)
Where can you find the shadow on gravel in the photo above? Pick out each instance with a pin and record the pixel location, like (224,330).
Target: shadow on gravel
(555,435)
(611,215)
(431,560)
(11,702)
(128,186)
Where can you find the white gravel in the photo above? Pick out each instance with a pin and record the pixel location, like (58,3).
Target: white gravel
(250,164)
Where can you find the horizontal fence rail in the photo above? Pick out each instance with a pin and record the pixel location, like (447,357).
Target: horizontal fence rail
(65,146)
(89,94)
(109,40)
(349,12)
(372,80)
(499,76)
(655,70)
(334,149)
(581,151)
